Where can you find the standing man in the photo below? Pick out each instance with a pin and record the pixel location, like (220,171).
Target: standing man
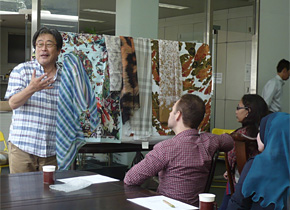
(183,162)
(32,93)
(272,91)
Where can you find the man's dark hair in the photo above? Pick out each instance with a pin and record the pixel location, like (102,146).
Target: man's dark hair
(192,108)
(282,64)
(53,32)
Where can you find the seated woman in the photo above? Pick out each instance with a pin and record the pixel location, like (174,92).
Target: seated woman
(264,182)
(250,110)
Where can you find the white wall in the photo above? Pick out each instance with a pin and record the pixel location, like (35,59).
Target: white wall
(273,43)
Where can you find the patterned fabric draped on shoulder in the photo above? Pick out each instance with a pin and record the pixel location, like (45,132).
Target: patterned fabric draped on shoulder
(76,101)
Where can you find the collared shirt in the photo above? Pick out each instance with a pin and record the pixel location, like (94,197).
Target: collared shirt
(272,93)
(33,126)
(182,163)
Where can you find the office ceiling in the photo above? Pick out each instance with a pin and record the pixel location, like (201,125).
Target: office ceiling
(108,26)
(195,6)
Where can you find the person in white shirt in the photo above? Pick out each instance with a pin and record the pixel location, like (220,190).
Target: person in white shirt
(272,91)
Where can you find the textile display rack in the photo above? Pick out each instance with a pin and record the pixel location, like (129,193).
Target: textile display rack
(121,89)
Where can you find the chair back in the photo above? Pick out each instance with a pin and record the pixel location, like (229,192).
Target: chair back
(3,153)
(242,144)
(219,131)
(211,172)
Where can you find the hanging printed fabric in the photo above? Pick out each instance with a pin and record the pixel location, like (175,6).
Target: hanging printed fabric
(197,75)
(170,77)
(77,113)
(159,128)
(92,51)
(167,82)
(101,92)
(196,78)
(114,62)
(141,121)
(129,100)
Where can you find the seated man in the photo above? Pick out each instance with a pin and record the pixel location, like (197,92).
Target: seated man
(183,162)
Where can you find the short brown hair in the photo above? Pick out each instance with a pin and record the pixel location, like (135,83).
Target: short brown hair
(192,108)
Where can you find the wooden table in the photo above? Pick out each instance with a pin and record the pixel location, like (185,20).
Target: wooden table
(26,191)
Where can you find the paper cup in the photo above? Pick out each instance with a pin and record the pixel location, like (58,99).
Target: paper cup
(48,174)
(207,201)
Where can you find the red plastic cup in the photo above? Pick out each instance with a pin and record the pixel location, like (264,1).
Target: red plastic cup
(48,174)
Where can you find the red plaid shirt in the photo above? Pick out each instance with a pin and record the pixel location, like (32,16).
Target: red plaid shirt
(182,163)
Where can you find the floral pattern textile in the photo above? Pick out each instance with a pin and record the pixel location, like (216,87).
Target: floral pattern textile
(196,78)
(197,75)
(92,51)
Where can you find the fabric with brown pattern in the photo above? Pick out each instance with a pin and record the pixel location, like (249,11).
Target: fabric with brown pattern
(129,100)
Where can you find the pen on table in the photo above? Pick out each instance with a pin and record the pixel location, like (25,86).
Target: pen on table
(171,205)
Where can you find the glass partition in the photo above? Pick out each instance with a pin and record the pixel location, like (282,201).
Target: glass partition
(182,20)
(62,15)
(233,62)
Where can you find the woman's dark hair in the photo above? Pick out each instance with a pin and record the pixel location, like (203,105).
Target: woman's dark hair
(53,32)
(192,108)
(258,109)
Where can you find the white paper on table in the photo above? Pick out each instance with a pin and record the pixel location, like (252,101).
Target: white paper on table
(94,179)
(71,186)
(157,203)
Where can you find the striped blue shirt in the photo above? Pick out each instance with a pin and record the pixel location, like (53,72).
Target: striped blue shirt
(33,127)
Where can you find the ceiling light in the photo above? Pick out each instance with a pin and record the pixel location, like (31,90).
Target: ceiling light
(7,13)
(68,18)
(11,1)
(99,11)
(171,6)
(45,15)
(25,11)
(58,25)
(89,20)
(29,11)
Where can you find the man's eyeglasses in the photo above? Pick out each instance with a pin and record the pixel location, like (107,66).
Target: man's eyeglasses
(242,107)
(48,45)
